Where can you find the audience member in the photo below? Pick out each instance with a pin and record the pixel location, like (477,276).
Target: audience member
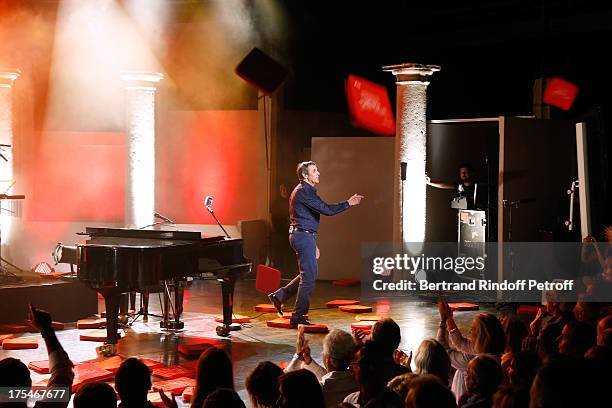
(432,358)
(511,397)
(576,338)
(587,309)
(214,370)
(515,331)
(335,378)
(223,398)
(523,368)
(487,337)
(401,384)
(563,381)
(262,384)
(427,391)
(369,370)
(95,395)
(603,325)
(133,382)
(300,389)
(387,334)
(484,375)
(14,373)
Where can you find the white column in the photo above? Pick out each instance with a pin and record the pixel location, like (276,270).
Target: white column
(140,131)
(410,147)
(7,122)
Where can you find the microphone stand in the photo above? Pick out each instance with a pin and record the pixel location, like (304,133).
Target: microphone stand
(210,210)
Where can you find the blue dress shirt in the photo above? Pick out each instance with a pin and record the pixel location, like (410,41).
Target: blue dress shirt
(306,207)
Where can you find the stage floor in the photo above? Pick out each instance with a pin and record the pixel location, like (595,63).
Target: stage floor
(255,342)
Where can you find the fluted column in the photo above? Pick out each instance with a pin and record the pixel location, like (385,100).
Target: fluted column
(410,147)
(7,125)
(140,131)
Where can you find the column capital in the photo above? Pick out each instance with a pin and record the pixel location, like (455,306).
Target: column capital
(8,76)
(141,79)
(412,72)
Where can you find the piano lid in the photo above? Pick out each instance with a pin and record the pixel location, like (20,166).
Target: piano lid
(145,234)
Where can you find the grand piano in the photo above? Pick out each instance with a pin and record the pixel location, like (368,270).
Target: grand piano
(114,261)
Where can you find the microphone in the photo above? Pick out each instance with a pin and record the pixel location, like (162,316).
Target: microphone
(208,203)
(161,217)
(403,166)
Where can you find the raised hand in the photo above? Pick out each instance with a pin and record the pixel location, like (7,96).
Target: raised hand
(169,402)
(355,199)
(41,319)
(402,358)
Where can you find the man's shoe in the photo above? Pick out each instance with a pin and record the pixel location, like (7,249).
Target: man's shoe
(277,304)
(302,320)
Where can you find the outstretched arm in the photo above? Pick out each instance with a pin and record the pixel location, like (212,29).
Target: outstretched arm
(439,184)
(314,202)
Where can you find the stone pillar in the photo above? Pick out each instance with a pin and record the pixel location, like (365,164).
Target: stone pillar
(140,131)
(410,147)
(7,124)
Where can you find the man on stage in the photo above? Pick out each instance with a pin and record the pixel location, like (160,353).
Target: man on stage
(305,209)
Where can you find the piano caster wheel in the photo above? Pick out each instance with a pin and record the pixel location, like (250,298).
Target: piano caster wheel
(123,319)
(223,330)
(106,350)
(172,325)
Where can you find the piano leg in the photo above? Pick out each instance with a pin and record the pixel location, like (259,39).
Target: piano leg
(111,301)
(227,293)
(145,305)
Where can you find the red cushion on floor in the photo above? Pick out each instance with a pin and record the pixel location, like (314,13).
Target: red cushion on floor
(341,302)
(235,319)
(266,307)
(89,372)
(155,399)
(287,315)
(280,323)
(368,318)
(316,328)
(4,337)
(176,385)
(356,309)
(42,367)
(187,394)
(463,306)
(346,282)
(365,326)
(267,279)
(95,335)
(91,323)
(56,325)
(528,310)
(15,328)
(176,371)
(110,363)
(194,346)
(152,364)
(20,343)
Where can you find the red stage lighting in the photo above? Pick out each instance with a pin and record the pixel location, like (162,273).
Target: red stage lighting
(43,268)
(369,106)
(560,93)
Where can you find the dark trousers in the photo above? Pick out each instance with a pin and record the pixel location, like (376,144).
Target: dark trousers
(305,246)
